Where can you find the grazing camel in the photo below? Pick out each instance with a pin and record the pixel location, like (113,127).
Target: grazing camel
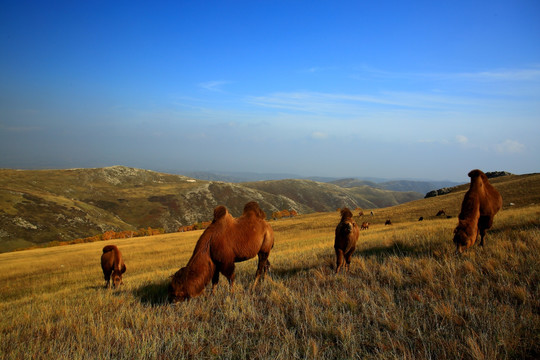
(480,204)
(224,242)
(112,265)
(347,234)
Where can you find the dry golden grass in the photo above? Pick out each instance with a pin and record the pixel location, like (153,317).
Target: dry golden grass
(407,296)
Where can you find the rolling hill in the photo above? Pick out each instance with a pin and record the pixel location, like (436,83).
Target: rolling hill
(40,206)
(321,197)
(395,185)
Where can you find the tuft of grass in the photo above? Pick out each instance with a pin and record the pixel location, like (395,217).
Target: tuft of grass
(406,296)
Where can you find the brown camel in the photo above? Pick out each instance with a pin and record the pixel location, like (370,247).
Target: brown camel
(226,241)
(480,204)
(347,234)
(112,265)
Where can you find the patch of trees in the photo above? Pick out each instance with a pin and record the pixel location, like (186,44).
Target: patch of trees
(283,214)
(197,226)
(125,234)
(107,235)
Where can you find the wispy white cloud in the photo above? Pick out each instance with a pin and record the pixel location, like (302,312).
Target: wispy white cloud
(319,135)
(213,85)
(528,74)
(340,103)
(531,73)
(462,139)
(318,69)
(510,147)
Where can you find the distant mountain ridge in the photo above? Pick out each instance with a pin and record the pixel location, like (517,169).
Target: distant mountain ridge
(420,186)
(39,206)
(397,185)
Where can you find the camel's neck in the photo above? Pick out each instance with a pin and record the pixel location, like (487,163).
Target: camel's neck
(200,267)
(200,272)
(470,208)
(477,185)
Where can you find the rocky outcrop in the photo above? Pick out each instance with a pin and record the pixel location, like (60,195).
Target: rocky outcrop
(446,190)
(494,174)
(438,192)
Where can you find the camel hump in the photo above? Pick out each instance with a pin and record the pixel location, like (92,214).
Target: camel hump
(476,173)
(109,248)
(254,207)
(346,213)
(220,212)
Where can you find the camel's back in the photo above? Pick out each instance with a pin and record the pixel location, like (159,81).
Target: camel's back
(107,260)
(246,236)
(111,258)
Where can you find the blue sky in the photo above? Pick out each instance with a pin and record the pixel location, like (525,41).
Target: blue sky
(392,89)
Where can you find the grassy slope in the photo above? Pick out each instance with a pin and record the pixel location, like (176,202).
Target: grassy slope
(407,295)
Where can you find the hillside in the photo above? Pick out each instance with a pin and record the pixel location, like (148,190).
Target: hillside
(323,197)
(396,185)
(40,206)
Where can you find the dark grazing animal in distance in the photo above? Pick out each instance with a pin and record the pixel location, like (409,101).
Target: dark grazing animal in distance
(224,242)
(113,265)
(480,204)
(347,233)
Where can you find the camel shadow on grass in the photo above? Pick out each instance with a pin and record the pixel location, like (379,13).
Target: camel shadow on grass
(395,249)
(154,294)
(324,262)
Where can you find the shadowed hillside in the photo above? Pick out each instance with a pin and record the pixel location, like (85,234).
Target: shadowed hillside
(328,197)
(40,206)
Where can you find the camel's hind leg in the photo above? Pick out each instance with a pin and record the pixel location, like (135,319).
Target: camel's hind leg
(339,260)
(262,267)
(107,279)
(348,259)
(484,223)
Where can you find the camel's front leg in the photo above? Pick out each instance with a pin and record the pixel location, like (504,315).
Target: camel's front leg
(228,271)
(215,280)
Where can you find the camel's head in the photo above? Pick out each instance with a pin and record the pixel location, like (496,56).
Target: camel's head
(177,290)
(464,237)
(116,278)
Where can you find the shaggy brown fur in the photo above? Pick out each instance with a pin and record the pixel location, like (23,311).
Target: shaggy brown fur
(113,265)
(347,233)
(226,241)
(480,204)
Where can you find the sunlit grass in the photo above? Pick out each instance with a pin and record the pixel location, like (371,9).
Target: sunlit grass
(406,296)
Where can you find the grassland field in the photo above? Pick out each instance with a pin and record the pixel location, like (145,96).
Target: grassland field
(407,295)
